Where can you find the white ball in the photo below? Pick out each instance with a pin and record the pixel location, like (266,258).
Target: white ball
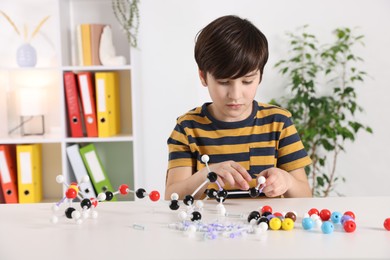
(101,196)
(205,158)
(55,208)
(263,226)
(76,214)
(182,215)
(199,204)
(174,196)
(85,179)
(261,180)
(60,179)
(221,209)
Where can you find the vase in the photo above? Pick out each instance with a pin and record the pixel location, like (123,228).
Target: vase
(26,56)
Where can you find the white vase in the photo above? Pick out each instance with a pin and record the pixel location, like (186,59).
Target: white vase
(26,55)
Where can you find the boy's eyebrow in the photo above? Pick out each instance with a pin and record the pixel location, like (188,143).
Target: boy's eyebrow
(251,74)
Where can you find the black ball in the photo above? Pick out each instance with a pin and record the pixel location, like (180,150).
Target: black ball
(263,219)
(174,205)
(109,195)
(211,193)
(253,215)
(212,176)
(140,193)
(69,211)
(253,192)
(266,213)
(196,216)
(188,200)
(86,203)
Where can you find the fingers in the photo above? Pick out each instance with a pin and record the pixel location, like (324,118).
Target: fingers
(233,173)
(276,182)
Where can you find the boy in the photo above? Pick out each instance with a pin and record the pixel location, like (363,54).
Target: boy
(243,138)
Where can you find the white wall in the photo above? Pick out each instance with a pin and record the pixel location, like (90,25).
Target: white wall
(170,86)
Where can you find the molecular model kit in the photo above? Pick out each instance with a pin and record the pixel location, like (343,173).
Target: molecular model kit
(88,205)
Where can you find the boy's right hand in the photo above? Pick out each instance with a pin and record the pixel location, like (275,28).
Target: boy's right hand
(232,173)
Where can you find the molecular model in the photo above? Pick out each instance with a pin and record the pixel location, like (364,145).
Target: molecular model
(327,220)
(124,190)
(72,192)
(193,211)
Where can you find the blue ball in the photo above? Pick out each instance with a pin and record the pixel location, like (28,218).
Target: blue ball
(336,217)
(307,223)
(327,227)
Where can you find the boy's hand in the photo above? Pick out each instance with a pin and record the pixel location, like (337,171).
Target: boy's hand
(277,182)
(233,173)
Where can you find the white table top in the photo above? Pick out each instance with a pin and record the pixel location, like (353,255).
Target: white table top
(27,233)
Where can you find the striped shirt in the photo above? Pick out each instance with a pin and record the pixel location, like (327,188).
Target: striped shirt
(267,138)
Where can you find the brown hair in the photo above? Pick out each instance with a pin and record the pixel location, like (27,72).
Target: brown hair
(231,47)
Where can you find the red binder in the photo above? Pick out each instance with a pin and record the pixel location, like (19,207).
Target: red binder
(8,173)
(73,105)
(88,102)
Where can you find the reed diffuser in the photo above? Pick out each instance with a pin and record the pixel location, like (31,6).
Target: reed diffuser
(26,55)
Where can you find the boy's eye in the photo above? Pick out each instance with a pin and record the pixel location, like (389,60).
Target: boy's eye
(247,82)
(225,82)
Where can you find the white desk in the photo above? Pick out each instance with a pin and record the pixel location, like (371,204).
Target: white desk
(26,232)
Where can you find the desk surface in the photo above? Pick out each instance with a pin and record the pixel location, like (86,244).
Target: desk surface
(27,233)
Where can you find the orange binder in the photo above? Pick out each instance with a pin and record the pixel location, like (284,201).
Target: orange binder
(73,105)
(8,173)
(88,102)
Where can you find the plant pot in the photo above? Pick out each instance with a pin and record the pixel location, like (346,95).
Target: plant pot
(26,56)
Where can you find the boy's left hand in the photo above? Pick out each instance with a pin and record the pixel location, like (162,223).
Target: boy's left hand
(277,182)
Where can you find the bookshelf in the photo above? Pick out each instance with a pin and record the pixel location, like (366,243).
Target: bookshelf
(56,48)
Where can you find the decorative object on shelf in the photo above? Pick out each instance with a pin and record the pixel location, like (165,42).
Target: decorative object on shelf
(26,55)
(323,121)
(31,89)
(107,51)
(127,14)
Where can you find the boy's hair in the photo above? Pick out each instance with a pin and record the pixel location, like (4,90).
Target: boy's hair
(231,47)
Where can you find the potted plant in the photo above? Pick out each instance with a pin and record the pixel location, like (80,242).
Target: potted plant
(322,82)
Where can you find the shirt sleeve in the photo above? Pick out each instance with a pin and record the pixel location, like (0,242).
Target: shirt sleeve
(180,154)
(291,152)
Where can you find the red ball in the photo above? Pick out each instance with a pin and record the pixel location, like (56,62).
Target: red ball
(123,189)
(94,202)
(313,211)
(325,214)
(386,224)
(71,193)
(350,213)
(154,195)
(278,214)
(266,209)
(349,226)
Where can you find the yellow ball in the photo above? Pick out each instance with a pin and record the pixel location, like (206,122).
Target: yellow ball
(275,223)
(287,224)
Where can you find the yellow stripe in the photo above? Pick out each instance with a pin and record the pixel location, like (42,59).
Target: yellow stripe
(179,137)
(291,148)
(180,162)
(300,163)
(263,129)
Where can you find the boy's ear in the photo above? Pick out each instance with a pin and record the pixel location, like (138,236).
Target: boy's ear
(202,77)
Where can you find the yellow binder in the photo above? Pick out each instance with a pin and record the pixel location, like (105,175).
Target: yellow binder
(29,165)
(86,44)
(108,103)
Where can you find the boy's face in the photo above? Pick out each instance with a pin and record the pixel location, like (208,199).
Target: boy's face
(232,98)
